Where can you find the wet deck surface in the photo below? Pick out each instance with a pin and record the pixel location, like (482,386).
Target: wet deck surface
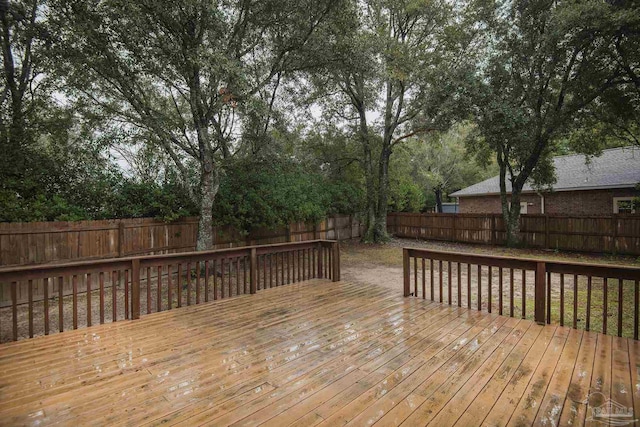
(317,353)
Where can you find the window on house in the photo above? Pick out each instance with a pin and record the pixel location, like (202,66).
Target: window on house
(624,205)
(523,207)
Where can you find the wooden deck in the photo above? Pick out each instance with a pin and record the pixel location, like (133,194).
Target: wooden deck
(317,353)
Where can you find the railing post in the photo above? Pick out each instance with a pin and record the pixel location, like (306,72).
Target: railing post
(135,288)
(406,271)
(336,261)
(320,256)
(254,271)
(540,293)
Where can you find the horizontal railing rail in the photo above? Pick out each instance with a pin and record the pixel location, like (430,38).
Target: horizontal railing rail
(125,288)
(599,297)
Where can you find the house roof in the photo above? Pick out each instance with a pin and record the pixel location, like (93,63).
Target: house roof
(615,168)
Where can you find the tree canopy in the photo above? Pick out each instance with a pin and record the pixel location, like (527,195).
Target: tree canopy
(257,113)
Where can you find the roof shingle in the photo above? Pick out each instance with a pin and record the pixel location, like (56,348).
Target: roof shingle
(615,168)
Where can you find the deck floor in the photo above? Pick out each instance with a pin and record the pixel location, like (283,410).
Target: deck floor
(317,353)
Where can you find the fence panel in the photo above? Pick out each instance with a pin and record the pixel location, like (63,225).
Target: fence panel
(612,233)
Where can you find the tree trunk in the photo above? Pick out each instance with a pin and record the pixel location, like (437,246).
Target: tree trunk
(511,216)
(380,229)
(438,192)
(209,185)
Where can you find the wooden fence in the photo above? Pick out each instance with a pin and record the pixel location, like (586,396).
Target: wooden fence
(613,233)
(47,242)
(118,289)
(601,298)
(55,242)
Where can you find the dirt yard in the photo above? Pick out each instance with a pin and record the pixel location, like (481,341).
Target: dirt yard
(382,264)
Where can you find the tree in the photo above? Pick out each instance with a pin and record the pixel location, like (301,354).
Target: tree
(437,164)
(394,68)
(547,63)
(182,75)
(26,110)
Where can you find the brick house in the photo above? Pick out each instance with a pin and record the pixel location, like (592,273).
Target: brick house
(601,186)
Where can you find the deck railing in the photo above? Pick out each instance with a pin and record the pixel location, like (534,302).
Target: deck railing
(125,288)
(602,298)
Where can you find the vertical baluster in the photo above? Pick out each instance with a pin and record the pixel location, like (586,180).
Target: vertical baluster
(74,297)
(45,284)
(215,279)
(189,283)
(299,267)
(548,297)
(289,266)
(636,309)
(14,309)
(620,307)
(561,299)
(198,282)
(605,304)
(424,281)
(148,290)
(270,271)
(449,280)
(179,285)
(415,276)
(126,294)
(264,271)
(500,300)
(479,287)
(159,290)
(114,296)
(588,322)
(469,286)
(489,286)
(524,293)
(222,277)
(431,283)
(440,279)
(282,268)
(511,292)
(169,287)
(575,301)
(101,287)
(229,264)
(238,276)
(60,302)
(30,297)
(88,299)
(206,281)
(245,260)
(313,263)
(459,273)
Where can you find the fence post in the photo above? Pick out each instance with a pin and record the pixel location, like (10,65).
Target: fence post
(254,271)
(120,238)
(546,231)
(493,230)
(406,271)
(614,240)
(540,294)
(320,256)
(455,237)
(135,288)
(336,261)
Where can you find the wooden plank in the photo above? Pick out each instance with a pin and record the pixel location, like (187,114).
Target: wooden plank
(574,408)
(553,401)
